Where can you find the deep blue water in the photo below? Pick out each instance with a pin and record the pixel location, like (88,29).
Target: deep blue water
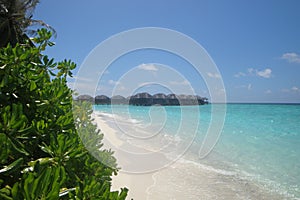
(258,141)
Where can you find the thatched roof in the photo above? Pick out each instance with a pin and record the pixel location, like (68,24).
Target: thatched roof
(182,96)
(118,97)
(159,96)
(84,97)
(101,97)
(144,95)
(172,96)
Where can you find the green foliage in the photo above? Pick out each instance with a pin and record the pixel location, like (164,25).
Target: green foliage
(42,151)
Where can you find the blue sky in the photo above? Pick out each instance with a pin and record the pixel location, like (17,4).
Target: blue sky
(254,44)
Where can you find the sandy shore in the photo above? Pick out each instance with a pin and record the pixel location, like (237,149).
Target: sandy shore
(137,183)
(149,175)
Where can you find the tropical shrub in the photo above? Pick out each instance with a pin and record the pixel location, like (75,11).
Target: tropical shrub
(42,155)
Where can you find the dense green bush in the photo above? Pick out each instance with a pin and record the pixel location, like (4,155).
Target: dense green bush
(41,153)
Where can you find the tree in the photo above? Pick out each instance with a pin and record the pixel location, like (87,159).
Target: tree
(15,18)
(41,153)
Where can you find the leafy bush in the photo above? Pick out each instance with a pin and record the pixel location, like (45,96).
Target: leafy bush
(41,153)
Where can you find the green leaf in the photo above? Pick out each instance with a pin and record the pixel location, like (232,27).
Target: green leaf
(15,191)
(123,194)
(42,183)
(15,143)
(5,190)
(55,181)
(4,196)
(32,85)
(46,60)
(28,185)
(47,150)
(51,44)
(23,56)
(66,191)
(16,164)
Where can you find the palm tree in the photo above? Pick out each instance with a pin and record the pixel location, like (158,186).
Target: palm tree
(15,18)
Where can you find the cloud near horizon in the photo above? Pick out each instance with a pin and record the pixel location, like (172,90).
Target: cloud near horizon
(291,57)
(293,89)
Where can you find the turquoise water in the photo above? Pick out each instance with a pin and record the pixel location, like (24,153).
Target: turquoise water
(258,142)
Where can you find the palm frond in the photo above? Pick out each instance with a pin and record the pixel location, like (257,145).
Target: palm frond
(16,20)
(34,22)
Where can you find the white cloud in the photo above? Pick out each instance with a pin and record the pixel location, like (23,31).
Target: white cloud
(291,57)
(264,73)
(214,75)
(184,82)
(148,67)
(292,89)
(295,89)
(112,82)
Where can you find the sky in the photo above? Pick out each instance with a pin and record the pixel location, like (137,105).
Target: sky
(254,46)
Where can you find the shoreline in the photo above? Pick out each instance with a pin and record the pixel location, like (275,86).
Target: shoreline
(138,184)
(181,180)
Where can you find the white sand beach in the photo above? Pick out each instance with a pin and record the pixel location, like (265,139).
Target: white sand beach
(150,175)
(137,183)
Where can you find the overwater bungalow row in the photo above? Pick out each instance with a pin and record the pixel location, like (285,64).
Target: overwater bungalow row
(146,99)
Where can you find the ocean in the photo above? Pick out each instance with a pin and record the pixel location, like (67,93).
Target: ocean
(256,154)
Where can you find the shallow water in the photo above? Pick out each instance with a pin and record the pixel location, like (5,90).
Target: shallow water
(257,155)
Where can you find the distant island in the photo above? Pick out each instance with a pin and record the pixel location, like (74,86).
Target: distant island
(146,99)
